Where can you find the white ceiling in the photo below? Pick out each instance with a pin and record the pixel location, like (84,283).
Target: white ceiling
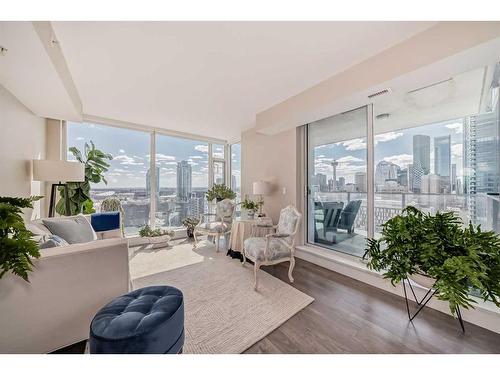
(210,78)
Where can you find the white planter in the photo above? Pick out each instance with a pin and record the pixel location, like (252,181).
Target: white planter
(424,281)
(159,240)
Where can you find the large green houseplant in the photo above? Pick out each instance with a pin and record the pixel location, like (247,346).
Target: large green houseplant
(220,192)
(17,248)
(439,246)
(96,165)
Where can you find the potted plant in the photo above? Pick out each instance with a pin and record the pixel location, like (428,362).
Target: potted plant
(250,207)
(156,236)
(79,192)
(219,192)
(437,250)
(190,223)
(17,248)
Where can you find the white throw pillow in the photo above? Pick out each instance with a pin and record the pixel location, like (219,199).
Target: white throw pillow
(73,229)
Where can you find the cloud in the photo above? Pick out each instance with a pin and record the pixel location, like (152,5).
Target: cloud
(163,157)
(121,150)
(402,159)
(127,160)
(170,163)
(350,159)
(201,148)
(80,138)
(119,170)
(387,137)
(196,157)
(457,126)
(354,144)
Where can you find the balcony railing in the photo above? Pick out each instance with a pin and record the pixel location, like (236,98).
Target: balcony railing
(477,208)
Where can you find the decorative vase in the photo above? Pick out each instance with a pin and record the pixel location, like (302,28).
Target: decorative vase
(423,280)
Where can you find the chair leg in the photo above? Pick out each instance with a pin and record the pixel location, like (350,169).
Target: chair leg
(244,258)
(195,240)
(292,264)
(217,238)
(255,273)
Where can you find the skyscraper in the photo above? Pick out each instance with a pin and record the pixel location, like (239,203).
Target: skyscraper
(360,181)
(422,152)
(184,180)
(157,182)
(335,164)
(442,156)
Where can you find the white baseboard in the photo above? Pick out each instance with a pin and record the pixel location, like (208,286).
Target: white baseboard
(485,315)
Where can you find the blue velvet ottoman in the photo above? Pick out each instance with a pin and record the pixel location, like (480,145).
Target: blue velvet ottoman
(148,320)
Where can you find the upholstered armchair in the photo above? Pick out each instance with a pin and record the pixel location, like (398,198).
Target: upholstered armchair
(276,247)
(219,226)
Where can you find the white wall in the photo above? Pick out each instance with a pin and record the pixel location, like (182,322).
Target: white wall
(22,139)
(272,159)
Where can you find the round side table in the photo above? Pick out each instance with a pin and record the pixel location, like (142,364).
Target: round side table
(243,229)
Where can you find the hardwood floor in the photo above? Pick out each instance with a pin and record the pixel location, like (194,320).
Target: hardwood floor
(349,316)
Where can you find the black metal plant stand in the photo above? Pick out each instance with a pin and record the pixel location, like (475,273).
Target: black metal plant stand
(421,304)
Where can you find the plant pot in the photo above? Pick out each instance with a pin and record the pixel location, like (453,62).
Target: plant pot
(163,240)
(424,281)
(249,214)
(189,232)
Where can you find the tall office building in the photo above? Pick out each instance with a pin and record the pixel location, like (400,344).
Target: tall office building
(184,180)
(416,172)
(454,178)
(157,183)
(385,171)
(360,181)
(442,156)
(422,152)
(341,184)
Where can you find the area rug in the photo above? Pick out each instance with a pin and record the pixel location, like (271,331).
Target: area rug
(223,313)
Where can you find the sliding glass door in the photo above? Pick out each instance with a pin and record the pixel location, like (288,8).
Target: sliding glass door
(436,148)
(337,182)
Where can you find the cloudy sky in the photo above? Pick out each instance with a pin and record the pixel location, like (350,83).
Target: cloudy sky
(130,150)
(395,147)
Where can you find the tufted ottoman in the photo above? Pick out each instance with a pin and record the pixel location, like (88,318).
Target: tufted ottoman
(147,320)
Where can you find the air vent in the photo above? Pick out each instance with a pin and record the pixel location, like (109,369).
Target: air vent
(383,116)
(381,92)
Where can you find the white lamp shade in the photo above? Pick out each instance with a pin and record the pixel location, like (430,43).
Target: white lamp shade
(261,188)
(58,170)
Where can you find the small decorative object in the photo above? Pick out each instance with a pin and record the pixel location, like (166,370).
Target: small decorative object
(439,253)
(17,248)
(112,204)
(250,207)
(219,192)
(156,236)
(190,223)
(78,193)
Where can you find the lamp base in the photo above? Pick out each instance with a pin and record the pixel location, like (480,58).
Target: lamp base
(52,204)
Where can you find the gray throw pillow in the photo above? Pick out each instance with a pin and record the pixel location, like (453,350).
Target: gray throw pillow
(53,241)
(76,229)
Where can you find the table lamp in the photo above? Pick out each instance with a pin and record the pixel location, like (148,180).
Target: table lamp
(58,170)
(261,188)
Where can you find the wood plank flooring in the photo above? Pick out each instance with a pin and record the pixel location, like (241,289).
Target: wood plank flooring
(349,316)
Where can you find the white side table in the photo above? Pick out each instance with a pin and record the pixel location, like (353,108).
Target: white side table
(243,229)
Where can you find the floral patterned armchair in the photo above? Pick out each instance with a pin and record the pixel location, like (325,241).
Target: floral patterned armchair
(221,226)
(275,247)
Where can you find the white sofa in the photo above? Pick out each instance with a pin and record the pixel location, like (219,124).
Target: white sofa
(67,287)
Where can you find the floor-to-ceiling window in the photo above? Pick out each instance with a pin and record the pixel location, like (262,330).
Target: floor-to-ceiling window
(128,174)
(179,180)
(435,147)
(182,173)
(337,181)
